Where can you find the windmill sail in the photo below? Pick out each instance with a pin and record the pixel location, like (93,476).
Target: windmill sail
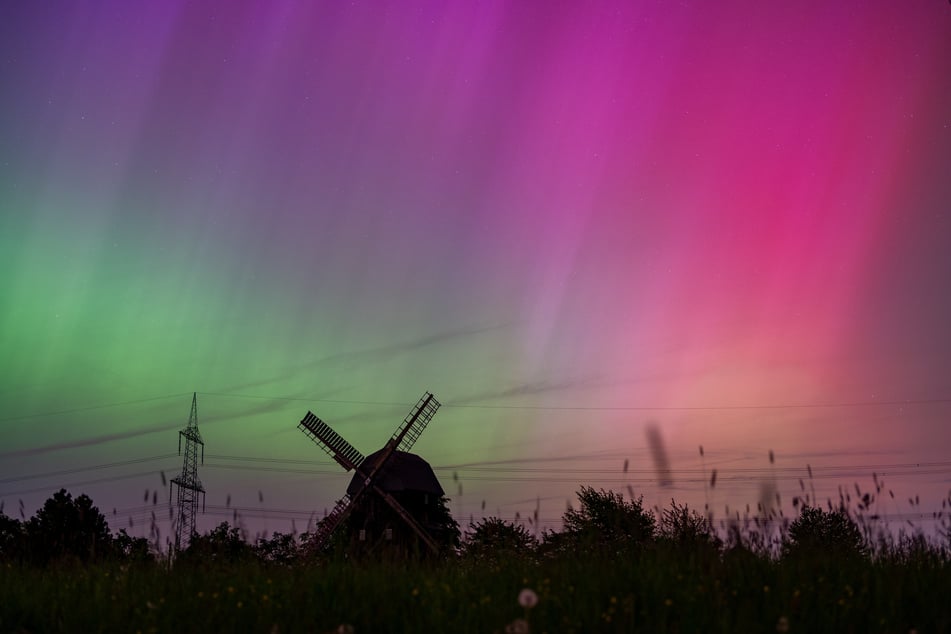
(331,442)
(415,422)
(329,524)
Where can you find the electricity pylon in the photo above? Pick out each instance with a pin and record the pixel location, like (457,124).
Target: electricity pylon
(189,486)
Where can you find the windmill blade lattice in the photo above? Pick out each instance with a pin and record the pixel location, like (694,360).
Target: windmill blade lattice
(415,422)
(331,442)
(329,524)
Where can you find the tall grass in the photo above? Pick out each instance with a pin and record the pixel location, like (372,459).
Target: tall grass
(663,588)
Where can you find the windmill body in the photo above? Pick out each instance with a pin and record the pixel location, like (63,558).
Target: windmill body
(404,472)
(410,480)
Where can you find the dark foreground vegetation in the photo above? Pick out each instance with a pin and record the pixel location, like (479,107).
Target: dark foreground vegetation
(615,566)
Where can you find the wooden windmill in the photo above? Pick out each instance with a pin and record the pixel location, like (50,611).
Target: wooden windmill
(372,472)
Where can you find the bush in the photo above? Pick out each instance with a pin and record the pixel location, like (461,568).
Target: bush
(686,527)
(603,521)
(818,532)
(223,545)
(495,539)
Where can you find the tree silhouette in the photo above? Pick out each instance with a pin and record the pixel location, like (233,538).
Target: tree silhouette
(685,527)
(12,538)
(605,520)
(222,545)
(282,548)
(132,549)
(818,532)
(68,528)
(495,539)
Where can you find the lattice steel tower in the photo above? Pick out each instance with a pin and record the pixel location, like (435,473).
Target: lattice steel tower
(189,486)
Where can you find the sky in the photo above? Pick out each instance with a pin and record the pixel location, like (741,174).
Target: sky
(572,222)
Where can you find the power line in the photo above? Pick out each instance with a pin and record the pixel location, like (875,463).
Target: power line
(91,407)
(534,474)
(127,476)
(107,465)
(646,408)
(762,406)
(649,408)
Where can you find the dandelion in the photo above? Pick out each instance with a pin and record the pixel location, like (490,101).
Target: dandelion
(527,598)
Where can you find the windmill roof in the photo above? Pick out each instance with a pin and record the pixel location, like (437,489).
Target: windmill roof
(403,472)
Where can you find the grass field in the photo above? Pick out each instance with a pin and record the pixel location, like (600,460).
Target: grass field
(661,588)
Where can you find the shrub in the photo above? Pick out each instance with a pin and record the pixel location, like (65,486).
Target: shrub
(495,539)
(817,532)
(685,527)
(603,521)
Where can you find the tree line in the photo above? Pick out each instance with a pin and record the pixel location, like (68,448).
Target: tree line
(73,530)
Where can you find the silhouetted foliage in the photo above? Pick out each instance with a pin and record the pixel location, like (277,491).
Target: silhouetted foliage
(282,549)
(604,520)
(818,532)
(495,539)
(222,545)
(12,539)
(67,528)
(685,527)
(443,527)
(132,549)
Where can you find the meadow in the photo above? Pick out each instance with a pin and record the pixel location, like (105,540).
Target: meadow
(656,586)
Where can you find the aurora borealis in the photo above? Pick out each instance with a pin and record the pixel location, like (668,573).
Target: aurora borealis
(566,220)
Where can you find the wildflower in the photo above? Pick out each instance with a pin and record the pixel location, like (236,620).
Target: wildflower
(782,625)
(527,598)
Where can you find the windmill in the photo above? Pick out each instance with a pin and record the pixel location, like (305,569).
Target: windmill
(377,473)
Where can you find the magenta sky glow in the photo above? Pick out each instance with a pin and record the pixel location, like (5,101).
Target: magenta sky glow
(565,219)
